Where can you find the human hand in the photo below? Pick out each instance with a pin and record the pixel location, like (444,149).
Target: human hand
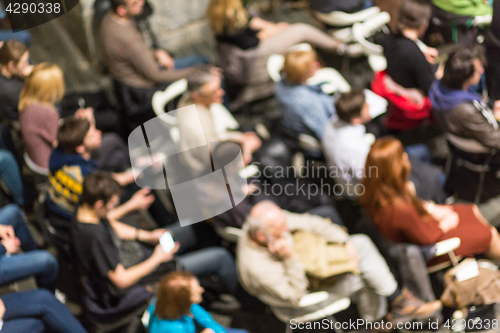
(27,70)
(208,330)
(351,250)
(153,237)
(449,223)
(281,249)
(496,109)
(87,113)
(2,309)
(164,59)
(163,256)
(141,200)
(124,178)
(11,245)
(431,54)
(7,231)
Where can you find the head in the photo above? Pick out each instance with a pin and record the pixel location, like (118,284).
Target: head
(226,15)
(44,85)
(177,291)
(387,170)
(267,223)
(100,193)
(351,107)
(127,9)
(300,66)
(14,57)
(205,86)
(414,15)
(78,136)
(463,68)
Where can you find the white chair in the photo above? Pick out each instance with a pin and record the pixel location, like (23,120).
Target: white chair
(341,19)
(307,300)
(361,31)
(446,247)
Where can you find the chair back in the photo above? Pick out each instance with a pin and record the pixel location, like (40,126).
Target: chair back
(363,30)
(341,19)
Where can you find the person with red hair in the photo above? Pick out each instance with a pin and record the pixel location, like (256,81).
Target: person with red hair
(401,217)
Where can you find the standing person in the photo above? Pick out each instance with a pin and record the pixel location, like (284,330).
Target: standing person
(39,117)
(177,307)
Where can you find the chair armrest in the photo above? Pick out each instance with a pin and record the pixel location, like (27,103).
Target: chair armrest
(447,246)
(313,298)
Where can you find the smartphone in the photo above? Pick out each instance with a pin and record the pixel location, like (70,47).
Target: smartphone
(167,242)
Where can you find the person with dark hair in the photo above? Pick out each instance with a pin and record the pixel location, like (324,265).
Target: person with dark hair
(409,72)
(14,68)
(177,309)
(71,161)
(129,58)
(346,145)
(99,238)
(205,92)
(459,110)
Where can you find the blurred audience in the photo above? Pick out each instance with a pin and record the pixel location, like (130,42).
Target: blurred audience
(268,266)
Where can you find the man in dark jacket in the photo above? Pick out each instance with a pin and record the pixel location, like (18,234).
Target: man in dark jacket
(460,111)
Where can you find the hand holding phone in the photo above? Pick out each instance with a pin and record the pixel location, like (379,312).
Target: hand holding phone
(167,242)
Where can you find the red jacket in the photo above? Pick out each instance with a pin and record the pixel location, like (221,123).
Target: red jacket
(402,114)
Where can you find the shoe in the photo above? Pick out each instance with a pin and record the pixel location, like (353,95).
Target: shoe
(407,307)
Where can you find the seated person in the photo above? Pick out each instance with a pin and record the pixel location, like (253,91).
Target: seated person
(71,161)
(204,90)
(306,109)
(346,145)
(235,31)
(99,239)
(177,308)
(401,217)
(15,266)
(38,115)
(14,68)
(268,266)
(128,57)
(408,66)
(457,109)
(36,311)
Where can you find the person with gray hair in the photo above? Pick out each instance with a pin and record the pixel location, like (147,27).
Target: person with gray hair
(205,92)
(269,266)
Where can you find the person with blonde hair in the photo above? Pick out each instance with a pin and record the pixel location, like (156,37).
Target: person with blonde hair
(177,308)
(38,115)
(306,109)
